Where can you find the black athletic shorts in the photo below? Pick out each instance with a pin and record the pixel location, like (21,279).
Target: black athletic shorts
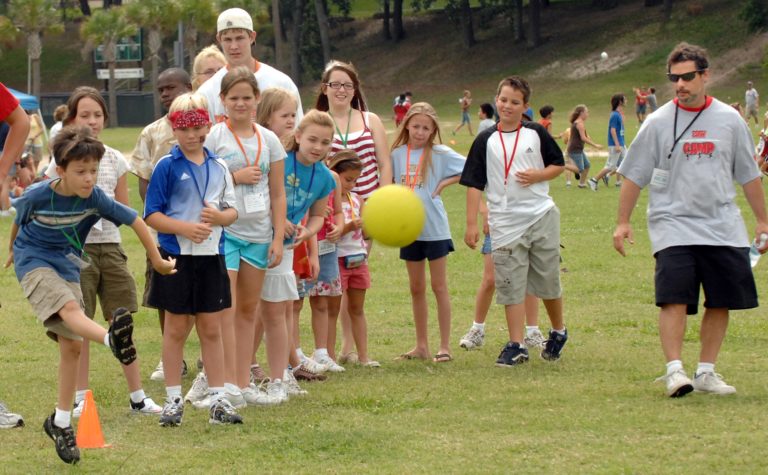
(723,272)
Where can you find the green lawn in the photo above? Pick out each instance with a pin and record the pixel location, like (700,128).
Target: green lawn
(597,410)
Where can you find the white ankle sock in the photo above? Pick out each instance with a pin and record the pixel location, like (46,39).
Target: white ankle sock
(106,340)
(530,329)
(62,418)
(560,331)
(300,354)
(173,391)
(673,366)
(320,352)
(80,395)
(478,326)
(705,368)
(138,396)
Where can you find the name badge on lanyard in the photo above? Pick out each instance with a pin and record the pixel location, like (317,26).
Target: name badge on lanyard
(254,200)
(209,246)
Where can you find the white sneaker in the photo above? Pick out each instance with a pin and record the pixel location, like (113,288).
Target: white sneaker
(158,374)
(678,383)
(474,338)
(9,420)
(276,390)
(332,366)
(146,407)
(709,382)
(535,339)
(292,387)
(257,396)
(313,366)
(199,389)
(236,399)
(78,410)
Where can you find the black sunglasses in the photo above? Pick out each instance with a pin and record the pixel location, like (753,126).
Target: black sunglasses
(685,76)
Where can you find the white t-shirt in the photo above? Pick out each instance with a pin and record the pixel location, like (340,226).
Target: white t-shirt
(696,207)
(255,226)
(512,208)
(112,166)
(266,76)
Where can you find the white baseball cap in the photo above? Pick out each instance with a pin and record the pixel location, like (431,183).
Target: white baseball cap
(234,18)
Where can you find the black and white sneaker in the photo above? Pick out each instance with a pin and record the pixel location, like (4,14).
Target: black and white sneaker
(173,411)
(223,412)
(554,345)
(512,354)
(121,336)
(64,438)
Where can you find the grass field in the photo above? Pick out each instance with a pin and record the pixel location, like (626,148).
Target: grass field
(597,410)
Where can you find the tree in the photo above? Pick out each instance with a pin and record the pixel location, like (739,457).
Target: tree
(322,24)
(33,18)
(279,34)
(755,14)
(85,7)
(197,16)
(518,21)
(106,27)
(296,23)
(385,21)
(397,20)
(159,17)
(8,33)
(535,16)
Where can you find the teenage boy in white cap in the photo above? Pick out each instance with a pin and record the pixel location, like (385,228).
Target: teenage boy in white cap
(234,32)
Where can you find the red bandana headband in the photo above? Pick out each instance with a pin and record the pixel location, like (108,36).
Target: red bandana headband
(189,118)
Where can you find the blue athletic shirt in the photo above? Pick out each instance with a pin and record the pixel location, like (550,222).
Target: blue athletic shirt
(304,185)
(49,223)
(177,189)
(616,121)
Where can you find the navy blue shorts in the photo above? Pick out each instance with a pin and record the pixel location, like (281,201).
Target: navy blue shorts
(431,250)
(200,285)
(723,272)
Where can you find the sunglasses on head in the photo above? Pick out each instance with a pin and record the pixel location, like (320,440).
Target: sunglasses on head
(685,76)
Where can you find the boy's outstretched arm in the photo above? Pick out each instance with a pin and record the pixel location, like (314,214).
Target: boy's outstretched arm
(471,235)
(163,266)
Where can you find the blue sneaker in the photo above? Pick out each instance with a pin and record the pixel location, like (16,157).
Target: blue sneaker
(554,345)
(512,354)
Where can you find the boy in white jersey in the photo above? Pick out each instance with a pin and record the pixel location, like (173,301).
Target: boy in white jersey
(234,32)
(513,163)
(689,152)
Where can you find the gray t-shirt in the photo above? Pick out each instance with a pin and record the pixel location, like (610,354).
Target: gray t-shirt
(697,206)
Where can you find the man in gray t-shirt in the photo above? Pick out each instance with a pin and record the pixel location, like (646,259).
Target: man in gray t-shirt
(689,153)
(751,103)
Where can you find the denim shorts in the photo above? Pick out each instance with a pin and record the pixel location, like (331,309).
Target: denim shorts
(430,250)
(580,159)
(486,245)
(465,117)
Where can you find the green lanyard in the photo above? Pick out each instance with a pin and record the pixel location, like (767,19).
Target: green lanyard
(74,239)
(343,137)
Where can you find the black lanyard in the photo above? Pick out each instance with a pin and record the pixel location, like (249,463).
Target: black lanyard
(674,130)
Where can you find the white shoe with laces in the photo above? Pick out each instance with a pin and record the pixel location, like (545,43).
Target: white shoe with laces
(328,362)
(78,409)
(276,390)
(9,420)
(474,338)
(158,374)
(535,339)
(313,366)
(710,382)
(678,383)
(292,387)
(146,407)
(199,389)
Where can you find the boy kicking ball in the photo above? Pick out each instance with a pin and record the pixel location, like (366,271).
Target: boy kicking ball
(52,221)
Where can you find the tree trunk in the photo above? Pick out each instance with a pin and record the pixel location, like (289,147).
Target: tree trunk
(34,51)
(667,10)
(112,93)
(397,21)
(467,27)
(190,42)
(277,23)
(85,7)
(518,23)
(535,21)
(154,42)
(322,23)
(385,22)
(296,20)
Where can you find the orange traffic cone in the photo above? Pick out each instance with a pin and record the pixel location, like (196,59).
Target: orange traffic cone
(89,434)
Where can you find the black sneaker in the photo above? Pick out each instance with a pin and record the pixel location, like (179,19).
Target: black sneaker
(554,345)
(222,412)
(512,354)
(66,447)
(173,411)
(121,336)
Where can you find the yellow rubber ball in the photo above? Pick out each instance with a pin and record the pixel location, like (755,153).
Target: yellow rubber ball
(393,215)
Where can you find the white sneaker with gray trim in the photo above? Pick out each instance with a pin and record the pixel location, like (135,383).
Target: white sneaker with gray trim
(199,389)
(328,362)
(292,387)
(474,338)
(9,420)
(710,382)
(158,374)
(678,383)
(535,339)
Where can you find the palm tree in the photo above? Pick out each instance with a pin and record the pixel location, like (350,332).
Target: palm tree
(106,27)
(33,18)
(8,33)
(197,15)
(159,17)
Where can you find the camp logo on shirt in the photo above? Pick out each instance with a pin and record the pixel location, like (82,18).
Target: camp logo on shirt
(699,149)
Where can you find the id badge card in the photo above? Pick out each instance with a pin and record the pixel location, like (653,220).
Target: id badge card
(209,247)
(81,262)
(660,178)
(254,201)
(504,201)
(325,247)
(98,226)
